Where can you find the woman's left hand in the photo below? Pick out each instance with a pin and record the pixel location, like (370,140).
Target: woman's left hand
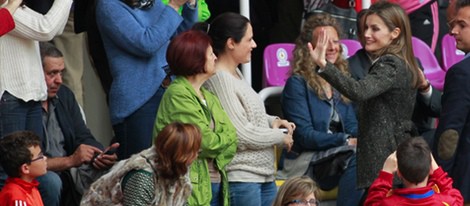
(282,123)
(424,84)
(192,3)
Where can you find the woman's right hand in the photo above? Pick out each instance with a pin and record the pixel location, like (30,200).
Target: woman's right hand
(288,142)
(176,4)
(318,53)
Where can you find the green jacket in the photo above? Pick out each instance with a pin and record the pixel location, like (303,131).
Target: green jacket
(203,12)
(181,103)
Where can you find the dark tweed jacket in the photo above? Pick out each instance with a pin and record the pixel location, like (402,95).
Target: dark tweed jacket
(386,100)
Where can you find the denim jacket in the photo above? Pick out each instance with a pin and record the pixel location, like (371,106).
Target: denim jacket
(312,116)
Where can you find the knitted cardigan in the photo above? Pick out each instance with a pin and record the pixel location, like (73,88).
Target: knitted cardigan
(107,190)
(254,160)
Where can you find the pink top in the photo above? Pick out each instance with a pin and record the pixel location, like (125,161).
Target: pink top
(410,5)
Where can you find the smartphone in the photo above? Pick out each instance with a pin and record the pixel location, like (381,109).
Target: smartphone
(110,151)
(285,130)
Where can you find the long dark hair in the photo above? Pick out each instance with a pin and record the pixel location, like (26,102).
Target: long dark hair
(226,25)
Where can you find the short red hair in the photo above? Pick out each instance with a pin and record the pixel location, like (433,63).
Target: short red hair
(186,54)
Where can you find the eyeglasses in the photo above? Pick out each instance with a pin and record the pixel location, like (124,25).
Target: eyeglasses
(311,202)
(40,157)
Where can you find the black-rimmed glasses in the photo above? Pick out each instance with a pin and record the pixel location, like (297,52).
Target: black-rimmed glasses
(40,157)
(311,202)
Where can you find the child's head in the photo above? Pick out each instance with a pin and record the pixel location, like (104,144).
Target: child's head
(21,155)
(296,190)
(414,160)
(177,146)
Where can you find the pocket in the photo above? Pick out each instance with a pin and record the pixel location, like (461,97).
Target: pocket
(7,97)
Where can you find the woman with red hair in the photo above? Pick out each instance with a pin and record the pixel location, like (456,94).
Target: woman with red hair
(192,60)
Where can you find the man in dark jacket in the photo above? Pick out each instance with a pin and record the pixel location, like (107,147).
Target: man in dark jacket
(75,158)
(452,144)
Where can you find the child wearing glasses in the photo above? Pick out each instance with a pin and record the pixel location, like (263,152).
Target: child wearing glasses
(425,183)
(297,191)
(23,161)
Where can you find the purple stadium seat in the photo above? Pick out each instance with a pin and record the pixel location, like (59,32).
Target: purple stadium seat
(277,63)
(450,53)
(432,69)
(350,47)
(277,60)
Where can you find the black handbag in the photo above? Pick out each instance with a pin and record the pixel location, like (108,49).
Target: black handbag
(331,162)
(346,17)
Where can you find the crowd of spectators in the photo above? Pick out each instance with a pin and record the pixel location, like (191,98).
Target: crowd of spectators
(190,130)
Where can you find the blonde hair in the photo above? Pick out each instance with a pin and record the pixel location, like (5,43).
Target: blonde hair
(303,64)
(395,17)
(294,188)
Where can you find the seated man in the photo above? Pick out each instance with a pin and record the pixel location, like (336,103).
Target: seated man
(75,158)
(425,183)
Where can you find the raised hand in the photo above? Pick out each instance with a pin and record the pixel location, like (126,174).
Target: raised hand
(13,5)
(318,53)
(390,164)
(176,4)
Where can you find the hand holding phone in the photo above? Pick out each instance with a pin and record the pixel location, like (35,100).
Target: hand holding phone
(106,158)
(110,151)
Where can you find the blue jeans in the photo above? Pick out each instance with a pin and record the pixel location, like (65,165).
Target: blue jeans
(215,188)
(348,193)
(18,115)
(135,133)
(50,186)
(252,194)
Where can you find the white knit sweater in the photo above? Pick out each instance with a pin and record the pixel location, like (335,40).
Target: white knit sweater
(20,62)
(254,160)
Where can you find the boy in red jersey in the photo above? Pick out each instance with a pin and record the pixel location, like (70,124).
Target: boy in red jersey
(23,161)
(425,183)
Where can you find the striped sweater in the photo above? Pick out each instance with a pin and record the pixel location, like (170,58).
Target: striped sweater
(20,62)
